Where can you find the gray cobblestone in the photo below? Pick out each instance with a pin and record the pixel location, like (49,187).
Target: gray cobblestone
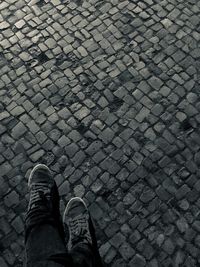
(126,251)
(168,246)
(94,147)
(18,130)
(17,223)
(37,155)
(64,188)
(11,199)
(138,260)
(106,93)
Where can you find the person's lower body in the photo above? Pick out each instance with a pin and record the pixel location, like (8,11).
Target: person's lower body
(45,237)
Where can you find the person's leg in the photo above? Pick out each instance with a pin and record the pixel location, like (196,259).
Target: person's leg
(80,234)
(44,233)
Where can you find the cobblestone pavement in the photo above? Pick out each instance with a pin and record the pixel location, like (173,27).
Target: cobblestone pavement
(106,93)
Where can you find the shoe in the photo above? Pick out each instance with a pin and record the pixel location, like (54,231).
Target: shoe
(44,200)
(79,229)
(40,184)
(76,223)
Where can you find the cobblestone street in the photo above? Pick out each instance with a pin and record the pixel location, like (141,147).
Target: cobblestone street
(106,93)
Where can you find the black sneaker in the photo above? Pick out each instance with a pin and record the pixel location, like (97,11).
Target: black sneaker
(40,184)
(76,218)
(79,227)
(44,199)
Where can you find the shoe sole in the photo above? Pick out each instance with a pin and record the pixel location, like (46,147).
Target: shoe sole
(38,166)
(74,199)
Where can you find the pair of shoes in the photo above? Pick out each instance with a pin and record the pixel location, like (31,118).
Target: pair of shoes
(76,218)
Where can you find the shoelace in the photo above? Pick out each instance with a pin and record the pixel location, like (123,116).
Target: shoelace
(79,229)
(39,191)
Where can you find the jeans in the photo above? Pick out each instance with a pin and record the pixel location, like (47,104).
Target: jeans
(45,239)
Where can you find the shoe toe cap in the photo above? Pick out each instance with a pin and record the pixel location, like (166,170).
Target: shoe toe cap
(41,174)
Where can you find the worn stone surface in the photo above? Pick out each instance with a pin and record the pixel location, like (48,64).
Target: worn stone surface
(106,93)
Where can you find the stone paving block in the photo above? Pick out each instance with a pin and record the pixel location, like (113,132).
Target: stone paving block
(5,168)
(117,240)
(37,155)
(18,225)
(168,246)
(110,255)
(96,211)
(106,93)
(142,114)
(106,135)
(138,260)
(4,115)
(78,158)
(33,127)
(11,199)
(64,188)
(71,149)
(18,130)
(111,229)
(126,251)
(75,176)
(94,147)
(5,226)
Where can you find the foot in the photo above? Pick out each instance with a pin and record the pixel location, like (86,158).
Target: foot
(44,200)
(76,223)
(40,184)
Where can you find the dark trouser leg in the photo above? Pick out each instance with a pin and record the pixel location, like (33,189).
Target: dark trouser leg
(83,256)
(44,247)
(44,236)
(86,255)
